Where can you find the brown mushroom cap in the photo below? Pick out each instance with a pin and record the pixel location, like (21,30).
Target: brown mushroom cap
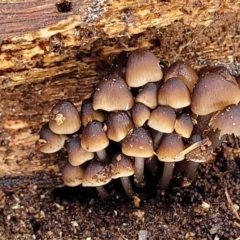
(227,121)
(93,137)
(162,119)
(170,146)
(138,143)
(96,174)
(140,114)
(183,71)
(142,67)
(184,125)
(49,141)
(64,118)
(88,113)
(118,125)
(213,93)
(148,95)
(174,93)
(76,154)
(72,175)
(112,94)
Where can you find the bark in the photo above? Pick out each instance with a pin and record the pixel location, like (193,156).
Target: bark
(47,55)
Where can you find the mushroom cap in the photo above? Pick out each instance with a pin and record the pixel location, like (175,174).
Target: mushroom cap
(140,114)
(118,125)
(148,95)
(96,174)
(88,113)
(112,94)
(184,125)
(49,141)
(170,146)
(183,71)
(174,93)
(72,175)
(142,67)
(64,118)
(213,93)
(121,166)
(93,137)
(162,119)
(76,154)
(137,143)
(227,121)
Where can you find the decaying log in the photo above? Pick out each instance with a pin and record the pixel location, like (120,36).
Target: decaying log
(48,55)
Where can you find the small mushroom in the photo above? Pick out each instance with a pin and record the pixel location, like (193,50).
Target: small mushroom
(140,114)
(142,67)
(72,175)
(64,118)
(49,141)
(184,125)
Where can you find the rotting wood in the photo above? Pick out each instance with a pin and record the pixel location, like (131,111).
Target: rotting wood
(63,57)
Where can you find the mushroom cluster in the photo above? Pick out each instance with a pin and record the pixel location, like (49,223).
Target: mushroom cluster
(144,120)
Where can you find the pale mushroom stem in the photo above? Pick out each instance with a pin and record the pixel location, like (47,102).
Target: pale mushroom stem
(191,170)
(127,187)
(139,171)
(166,175)
(156,140)
(103,157)
(102,192)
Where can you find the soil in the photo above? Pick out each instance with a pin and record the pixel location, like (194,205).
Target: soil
(207,209)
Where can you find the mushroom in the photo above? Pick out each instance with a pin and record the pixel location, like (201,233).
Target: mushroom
(49,141)
(183,71)
(140,114)
(97,175)
(76,154)
(170,146)
(94,139)
(142,67)
(112,94)
(184,125)
(138,144)
(64,118)
(122,167)
(72,175)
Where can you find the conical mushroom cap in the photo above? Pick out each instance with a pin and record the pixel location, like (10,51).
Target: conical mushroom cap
(138,143)
(112,94)
(174,93)
(170,146)
(184,125)
(213,93)
(227,121)
(142,67)
(140,114)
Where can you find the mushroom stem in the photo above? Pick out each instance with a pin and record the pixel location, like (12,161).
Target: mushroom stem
(102,192)
(152,165)
(156,140)
(191,170)
(127,187)
(214,137)
(166,175)
(102,155)
(139,171)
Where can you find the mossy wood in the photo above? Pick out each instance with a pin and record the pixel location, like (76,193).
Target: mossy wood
(47,55)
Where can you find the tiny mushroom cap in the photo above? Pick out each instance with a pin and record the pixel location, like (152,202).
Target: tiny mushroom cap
(148,95)
(88,113)
(184,125)
(112,94)
(118,125)
(93,137)
(49,141)
(213,93)
(162,119)
(183,71)
(96,174)
(138,143)
(64,118)
(142,67)
(76,154)
(227,121)
(170,146)
(174,93)
(72,175)
(140,114)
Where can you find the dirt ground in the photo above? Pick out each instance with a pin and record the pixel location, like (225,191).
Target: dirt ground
(207,209)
